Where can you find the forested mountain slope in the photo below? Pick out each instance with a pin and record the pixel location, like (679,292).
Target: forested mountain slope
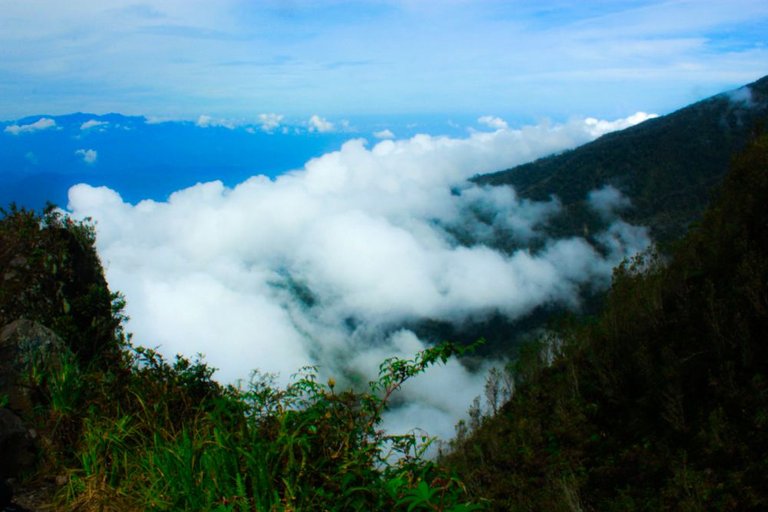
(661,402)
(667,166)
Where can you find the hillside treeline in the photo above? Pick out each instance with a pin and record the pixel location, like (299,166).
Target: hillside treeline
(668,166)
(661,401)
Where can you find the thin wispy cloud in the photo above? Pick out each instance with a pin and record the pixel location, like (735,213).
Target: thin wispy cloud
(43,123)
(171,58)
(93,123)
(494,122)
(384,134)
(608,201)
(206,121)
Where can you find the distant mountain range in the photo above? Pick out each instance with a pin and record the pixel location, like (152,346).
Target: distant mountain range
(42,156)
(667,167)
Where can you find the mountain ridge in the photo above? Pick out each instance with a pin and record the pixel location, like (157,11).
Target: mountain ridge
(667,166)
(660,401)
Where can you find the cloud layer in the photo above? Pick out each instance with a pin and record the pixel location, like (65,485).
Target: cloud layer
(494,122)
(324,265)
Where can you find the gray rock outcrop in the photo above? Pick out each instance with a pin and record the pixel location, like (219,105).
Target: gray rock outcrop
(23,345)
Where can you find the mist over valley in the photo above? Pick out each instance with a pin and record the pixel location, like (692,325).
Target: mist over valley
(383,255)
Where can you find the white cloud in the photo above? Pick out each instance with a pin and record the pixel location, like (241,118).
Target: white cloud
(741,95)
(319,124)
(44,123)
(494,122)
(92,123)
(269,122)
(608,200)
(384,134)
(89,156)
(158,120)
(206,121)
(599,127)
(324,265)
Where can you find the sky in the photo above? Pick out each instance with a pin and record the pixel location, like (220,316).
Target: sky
(239,59)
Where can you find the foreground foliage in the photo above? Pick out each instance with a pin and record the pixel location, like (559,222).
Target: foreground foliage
(203,447)
(661,402)
(132,431)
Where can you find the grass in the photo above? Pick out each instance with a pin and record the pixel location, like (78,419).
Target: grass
(165,436)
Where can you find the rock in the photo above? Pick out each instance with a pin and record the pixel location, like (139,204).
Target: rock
(24,343)
(17,449)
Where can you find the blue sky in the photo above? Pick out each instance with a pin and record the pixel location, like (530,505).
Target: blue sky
(236,59)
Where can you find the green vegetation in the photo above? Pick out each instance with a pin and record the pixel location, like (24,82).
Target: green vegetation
(659,403)
(132,431)
(52,275)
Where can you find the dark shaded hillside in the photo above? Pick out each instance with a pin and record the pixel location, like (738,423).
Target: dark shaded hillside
(50,273)
(667,166)
(660,403)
